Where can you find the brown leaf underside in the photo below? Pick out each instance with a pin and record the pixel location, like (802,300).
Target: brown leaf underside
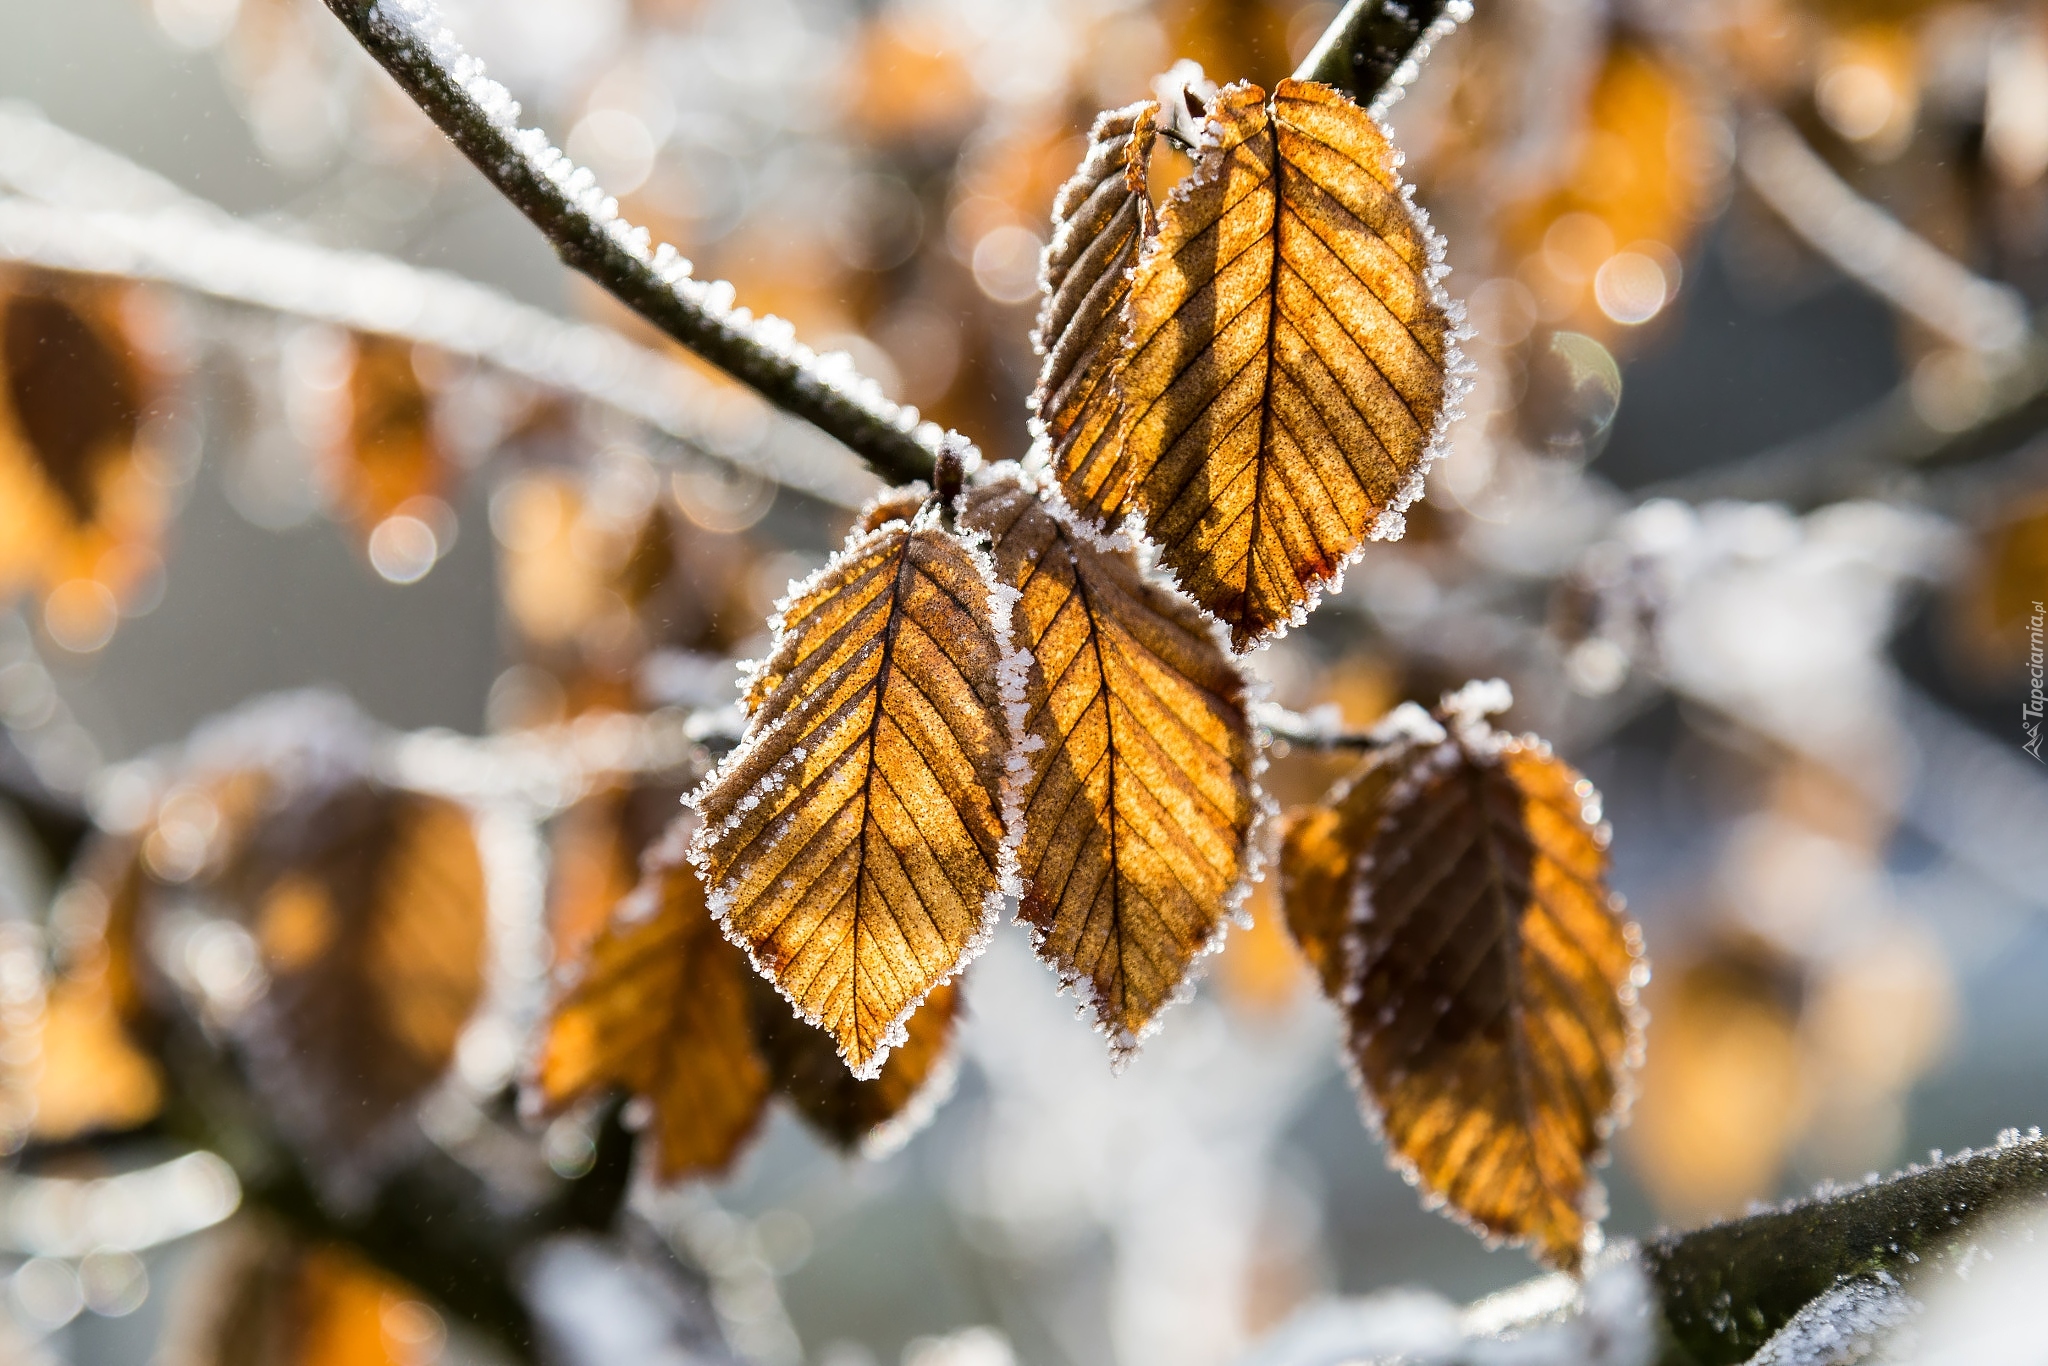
(1285,363)
(1490,1019)
(668,1009)
(1140,802)
(369,908)
(1100,220)
(853,844)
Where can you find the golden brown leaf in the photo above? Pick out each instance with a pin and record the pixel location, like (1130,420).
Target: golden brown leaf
(1318,850)
(1099,221)
(2007,578)
(1489,977)
(1138,813)
(391,454)
(92,1076)
(670,1010)
(81,504)
(595,849)
(850,1112)
(663,1009)
(1288,360)
(260,1296)
(855,842)
(368,908)
(1642,181)
(1726,1093)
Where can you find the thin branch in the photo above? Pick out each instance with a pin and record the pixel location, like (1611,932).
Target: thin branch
(1321,730)
(197,248)
(1874,248)
(1374,48)
(583,225)
(1865,451)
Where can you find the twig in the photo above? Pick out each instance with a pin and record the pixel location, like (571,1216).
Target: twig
(1321,730)
(584,227)
(1873,247)
(1727,1287)
(1864,451)
(1374,48)
(197,248)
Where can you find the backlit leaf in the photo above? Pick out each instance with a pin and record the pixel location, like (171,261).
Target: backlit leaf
(855,842)
(663,1009)
(594,858)
(367,908)
(1099,221)
(1488,976)
(391,454)
(850,1112)
(81,498)
(670,1010)
(1727,1091)
(1139,809)
(260,1296)
(92,1076)
(1287,364)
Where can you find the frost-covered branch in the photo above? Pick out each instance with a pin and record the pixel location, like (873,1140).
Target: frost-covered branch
(582,223)
(1725,1289)
(1321,728)
(193,246)
(1863,453)
(1374,48)
(1873,247)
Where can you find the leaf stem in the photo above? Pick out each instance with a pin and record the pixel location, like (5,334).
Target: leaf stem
(1373,48)
(583,226)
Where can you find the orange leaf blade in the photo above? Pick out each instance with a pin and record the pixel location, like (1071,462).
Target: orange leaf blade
(1138,814)
(855,843)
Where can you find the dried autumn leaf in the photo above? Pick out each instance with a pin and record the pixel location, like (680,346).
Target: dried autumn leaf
(594,859)
(663,1009)
(1288,361)
(368,909)
(1099,221)
(669,1009)
(855,843)
(1138,812)
(92,1076)
(80,500)
(1488,975)
(391,454)
(847,1110)
(260,1296)
(1600,242)
(1727,1092)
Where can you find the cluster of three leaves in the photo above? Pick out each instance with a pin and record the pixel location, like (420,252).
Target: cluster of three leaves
(906,761)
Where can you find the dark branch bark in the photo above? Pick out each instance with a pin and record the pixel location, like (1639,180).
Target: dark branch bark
(434,1222)
(1727,1287)
(1369,40)
(587,245)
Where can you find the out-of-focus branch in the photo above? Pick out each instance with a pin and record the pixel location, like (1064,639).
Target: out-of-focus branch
(195,247)
(1873,247)
(1322,730)
(434,1221)
(583,225)
(1374,48)
(1868,450)
(1725,1289)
